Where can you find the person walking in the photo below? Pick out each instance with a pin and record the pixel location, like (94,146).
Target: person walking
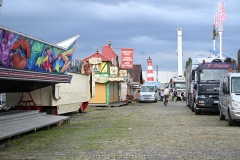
(182,95)
(161,95)
(166,95)
(175,95)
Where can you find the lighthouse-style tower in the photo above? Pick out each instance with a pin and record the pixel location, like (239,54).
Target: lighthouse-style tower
(150,77)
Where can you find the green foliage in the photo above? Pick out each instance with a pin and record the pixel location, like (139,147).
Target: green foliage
(230,60)
(188,62)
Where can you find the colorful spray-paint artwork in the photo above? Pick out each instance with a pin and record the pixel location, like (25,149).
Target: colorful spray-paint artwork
(29,54)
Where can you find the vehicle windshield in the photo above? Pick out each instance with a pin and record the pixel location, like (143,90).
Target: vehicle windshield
(179,85)
(147,89)
(212,74)
(235,85)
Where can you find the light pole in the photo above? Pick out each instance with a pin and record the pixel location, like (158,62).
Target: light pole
(167,68)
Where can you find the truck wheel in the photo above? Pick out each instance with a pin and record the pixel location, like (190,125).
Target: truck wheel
(221,116)
(197,112)
(192,106)
(230,120)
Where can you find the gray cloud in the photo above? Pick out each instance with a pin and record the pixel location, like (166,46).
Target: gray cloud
(148,26)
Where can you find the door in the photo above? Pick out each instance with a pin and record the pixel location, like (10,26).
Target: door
(224,97)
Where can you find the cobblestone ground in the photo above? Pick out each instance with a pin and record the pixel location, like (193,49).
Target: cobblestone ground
(135,131)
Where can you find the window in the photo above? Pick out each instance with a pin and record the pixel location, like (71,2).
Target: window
(95,67)
(235,85)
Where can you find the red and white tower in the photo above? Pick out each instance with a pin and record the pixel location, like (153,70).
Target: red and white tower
(150,70)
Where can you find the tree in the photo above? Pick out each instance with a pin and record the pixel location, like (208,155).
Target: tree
(188,62)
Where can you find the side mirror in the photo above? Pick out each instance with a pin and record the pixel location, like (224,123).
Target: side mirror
(193,74)
(225,91)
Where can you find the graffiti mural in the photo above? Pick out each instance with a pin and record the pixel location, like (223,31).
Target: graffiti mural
(25,53)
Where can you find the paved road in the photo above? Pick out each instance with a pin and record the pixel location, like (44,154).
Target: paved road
(135,131)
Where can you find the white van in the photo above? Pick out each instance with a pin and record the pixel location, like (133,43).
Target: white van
(148,93)
(229,98)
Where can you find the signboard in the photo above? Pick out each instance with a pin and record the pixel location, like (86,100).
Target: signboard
(95,60)
(113,70)
(118,79)
(127,58)
(216,65)
(123,73)
(220,14)
(101,78)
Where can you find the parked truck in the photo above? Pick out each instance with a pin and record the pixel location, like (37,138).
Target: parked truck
(178,83)
(189,82)
(202,84)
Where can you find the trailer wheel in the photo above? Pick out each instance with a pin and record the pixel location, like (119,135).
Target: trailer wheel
(80,110)
(230,120)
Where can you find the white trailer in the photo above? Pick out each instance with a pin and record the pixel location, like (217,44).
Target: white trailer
(59,98)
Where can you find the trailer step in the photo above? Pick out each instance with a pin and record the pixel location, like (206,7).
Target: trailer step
(15,123)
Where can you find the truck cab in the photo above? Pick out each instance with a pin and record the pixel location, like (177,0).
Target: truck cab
(229,98)
(178,83)
(148,93)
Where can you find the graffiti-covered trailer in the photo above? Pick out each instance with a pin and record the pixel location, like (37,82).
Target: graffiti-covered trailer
(28,64)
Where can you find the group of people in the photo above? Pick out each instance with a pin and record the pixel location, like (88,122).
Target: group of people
(171,94)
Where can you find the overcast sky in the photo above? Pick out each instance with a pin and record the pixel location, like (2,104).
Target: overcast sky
(148,26)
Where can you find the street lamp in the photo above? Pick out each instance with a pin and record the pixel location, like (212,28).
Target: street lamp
(167,68)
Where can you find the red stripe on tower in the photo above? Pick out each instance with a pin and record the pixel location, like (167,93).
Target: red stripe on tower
(150,70)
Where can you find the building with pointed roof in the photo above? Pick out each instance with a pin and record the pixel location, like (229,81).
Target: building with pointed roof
(105,66)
